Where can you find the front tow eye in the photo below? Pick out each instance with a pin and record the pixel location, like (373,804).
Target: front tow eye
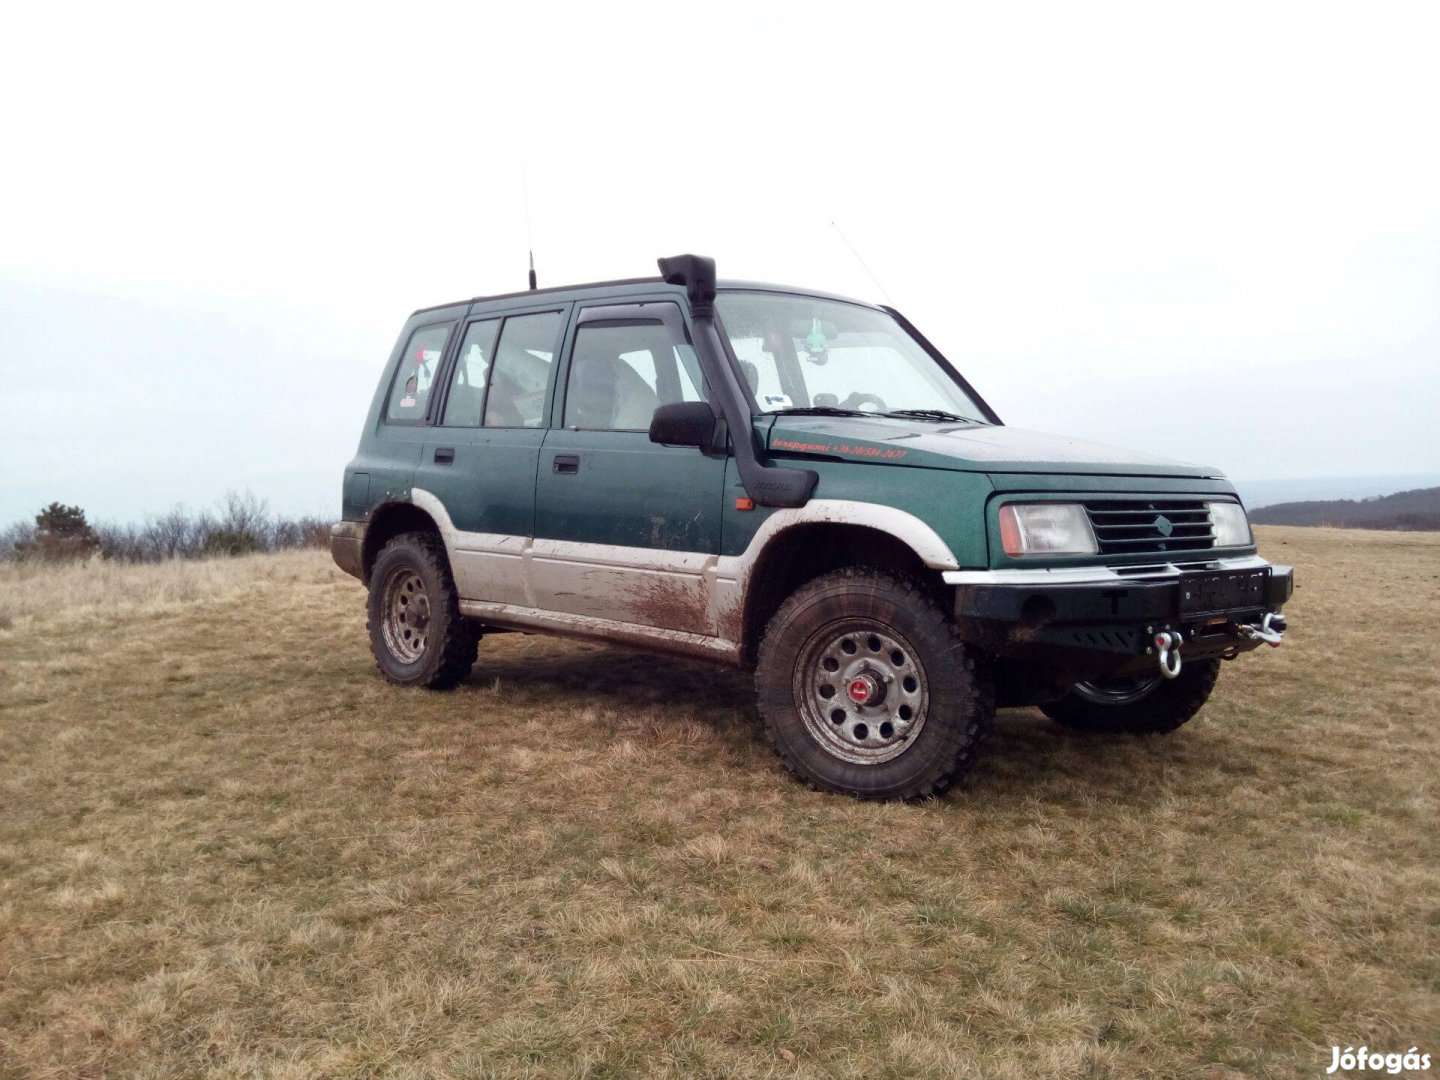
(1167,647)
(1271,630)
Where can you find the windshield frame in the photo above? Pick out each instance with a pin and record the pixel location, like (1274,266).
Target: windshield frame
(903,323)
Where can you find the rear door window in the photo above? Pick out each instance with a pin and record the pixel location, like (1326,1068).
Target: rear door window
(520,374)
(415,377)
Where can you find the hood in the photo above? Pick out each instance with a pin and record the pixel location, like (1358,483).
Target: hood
(960,447)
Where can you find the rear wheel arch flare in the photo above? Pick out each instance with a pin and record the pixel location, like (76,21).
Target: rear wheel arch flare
(388,521)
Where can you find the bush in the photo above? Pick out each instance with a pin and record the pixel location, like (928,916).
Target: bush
(232,542)
(61,533)
(302,532)
(15,539)
(241,525)
(245,525)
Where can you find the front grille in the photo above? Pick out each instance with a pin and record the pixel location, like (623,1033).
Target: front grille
(1150,526)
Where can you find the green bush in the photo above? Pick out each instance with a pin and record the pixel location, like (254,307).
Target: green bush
(232,542)
(61,533)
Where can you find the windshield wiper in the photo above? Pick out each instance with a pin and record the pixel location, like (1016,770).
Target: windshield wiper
(818,410)
(931,414)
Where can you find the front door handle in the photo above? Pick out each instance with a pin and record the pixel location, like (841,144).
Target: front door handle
(567,463)
(444,455)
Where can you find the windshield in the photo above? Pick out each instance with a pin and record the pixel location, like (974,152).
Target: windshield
(801,352)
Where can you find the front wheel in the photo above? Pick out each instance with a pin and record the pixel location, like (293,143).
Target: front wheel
(865,689)
(1137,705)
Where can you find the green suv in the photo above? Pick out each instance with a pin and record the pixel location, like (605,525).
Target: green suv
(799,485)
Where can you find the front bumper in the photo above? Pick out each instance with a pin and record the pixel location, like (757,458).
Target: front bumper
(1091,622)
(347,547)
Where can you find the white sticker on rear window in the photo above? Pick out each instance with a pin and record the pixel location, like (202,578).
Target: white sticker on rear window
(776,401)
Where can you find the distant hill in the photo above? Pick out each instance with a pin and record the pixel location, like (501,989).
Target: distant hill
(1258,493)
(1413,511)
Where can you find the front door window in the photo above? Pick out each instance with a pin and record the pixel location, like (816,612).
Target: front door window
(621,372)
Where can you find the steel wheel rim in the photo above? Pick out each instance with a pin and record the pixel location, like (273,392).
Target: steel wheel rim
(405,615)
(861,691)
(1125,690)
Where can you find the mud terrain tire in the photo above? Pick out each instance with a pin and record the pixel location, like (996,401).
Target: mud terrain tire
(1167,705)
(866,690)
(417,633)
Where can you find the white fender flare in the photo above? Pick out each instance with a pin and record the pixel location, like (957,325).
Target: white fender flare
(904,526)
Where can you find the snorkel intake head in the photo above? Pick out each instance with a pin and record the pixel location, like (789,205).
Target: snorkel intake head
(697,274)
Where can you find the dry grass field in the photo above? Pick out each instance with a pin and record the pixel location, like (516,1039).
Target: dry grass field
(227,849)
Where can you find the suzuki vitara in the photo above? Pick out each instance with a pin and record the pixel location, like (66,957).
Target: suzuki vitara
(802,486)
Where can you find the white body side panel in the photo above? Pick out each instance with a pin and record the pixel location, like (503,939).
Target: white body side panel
(686,601)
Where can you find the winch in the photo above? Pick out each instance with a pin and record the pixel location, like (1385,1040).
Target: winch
(1166,644)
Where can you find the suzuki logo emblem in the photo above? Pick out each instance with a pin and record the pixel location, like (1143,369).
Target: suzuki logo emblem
(1163,525)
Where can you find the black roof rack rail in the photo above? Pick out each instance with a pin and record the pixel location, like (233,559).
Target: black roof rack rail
(542,292)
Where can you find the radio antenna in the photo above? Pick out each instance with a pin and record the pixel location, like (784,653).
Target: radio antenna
(529,239)
(863,264)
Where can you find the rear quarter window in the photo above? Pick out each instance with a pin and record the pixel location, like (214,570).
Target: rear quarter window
(415,375)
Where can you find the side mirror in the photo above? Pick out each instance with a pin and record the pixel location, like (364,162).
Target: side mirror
(684,423)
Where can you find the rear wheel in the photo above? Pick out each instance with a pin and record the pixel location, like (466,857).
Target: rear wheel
(1137,705)
(417,633)
(865,689)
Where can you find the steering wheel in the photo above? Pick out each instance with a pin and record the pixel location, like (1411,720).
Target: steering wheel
(857,399)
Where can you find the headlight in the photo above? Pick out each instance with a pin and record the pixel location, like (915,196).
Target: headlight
(1232,527)
(1046,529)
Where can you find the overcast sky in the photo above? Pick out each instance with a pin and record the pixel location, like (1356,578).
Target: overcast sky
(1205,231)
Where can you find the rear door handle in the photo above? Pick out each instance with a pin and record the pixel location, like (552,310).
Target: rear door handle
(444,455)
(567,463)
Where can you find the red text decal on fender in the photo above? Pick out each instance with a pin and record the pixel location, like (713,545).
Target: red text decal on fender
(882,452)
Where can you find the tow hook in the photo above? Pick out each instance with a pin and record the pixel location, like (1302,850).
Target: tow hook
(1271,630)
(1167,648)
